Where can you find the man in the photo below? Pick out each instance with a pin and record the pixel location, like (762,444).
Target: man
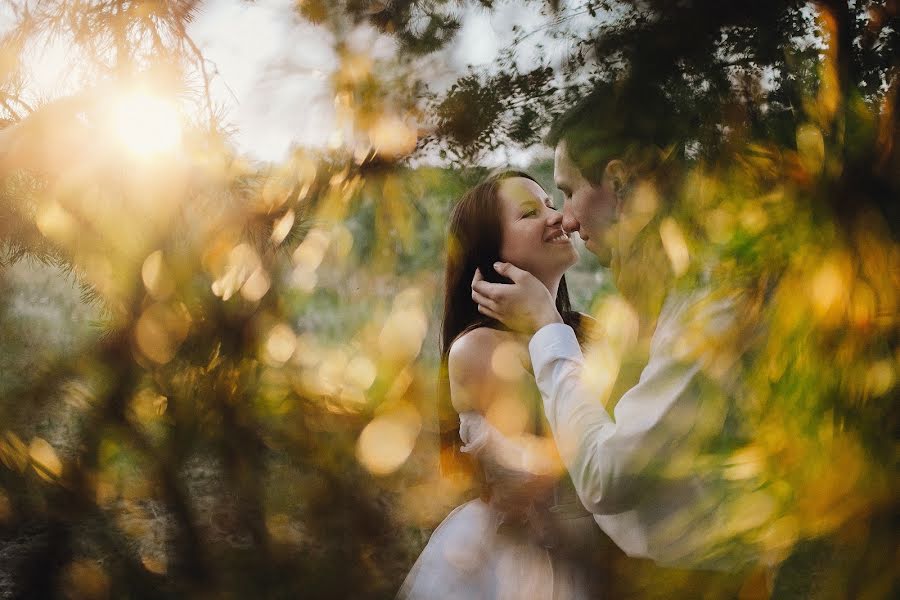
(636,473)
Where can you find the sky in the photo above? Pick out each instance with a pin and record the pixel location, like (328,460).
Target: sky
(271,74)
(272,68)
(276,67)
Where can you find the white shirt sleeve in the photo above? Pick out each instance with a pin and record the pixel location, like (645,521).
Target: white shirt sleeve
(634,472)
(608,459)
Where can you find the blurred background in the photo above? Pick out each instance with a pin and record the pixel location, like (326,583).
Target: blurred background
(222,237)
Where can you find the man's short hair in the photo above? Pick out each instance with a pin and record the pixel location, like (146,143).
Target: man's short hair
(602,126)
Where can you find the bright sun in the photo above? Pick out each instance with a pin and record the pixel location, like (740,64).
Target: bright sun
(145,124)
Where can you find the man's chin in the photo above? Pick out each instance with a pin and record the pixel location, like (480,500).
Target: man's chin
(600,250)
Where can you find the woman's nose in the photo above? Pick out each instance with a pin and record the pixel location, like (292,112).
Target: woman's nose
(554,217)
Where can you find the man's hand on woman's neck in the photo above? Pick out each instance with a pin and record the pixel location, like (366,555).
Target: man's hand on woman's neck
(525,305)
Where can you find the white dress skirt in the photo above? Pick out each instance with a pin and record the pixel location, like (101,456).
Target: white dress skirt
(522,544)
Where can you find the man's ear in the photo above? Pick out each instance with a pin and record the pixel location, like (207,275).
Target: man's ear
(616,174)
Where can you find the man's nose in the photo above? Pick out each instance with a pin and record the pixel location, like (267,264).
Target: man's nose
(569,223)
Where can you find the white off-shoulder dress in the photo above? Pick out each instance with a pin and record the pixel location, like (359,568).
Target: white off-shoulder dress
(531,539)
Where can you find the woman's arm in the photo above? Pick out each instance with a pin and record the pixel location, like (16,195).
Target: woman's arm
(520,466)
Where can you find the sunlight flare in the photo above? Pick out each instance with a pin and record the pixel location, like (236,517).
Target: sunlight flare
(145,124)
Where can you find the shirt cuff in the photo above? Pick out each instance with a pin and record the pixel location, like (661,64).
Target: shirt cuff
(551,342)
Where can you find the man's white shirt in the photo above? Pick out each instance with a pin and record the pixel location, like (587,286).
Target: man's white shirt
(622,468)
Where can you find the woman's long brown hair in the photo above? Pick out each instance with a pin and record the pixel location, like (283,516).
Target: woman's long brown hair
(473,242)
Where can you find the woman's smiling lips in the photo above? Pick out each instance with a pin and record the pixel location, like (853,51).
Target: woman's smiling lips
(560,237)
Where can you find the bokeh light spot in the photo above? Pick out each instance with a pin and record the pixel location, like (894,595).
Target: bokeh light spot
(604,363)
(160,331)
(828,288)
(674,245)
(880,378)
(242,262)
(404,330)
(361,372)
(13,452)
(617,322)
(280,344)
(506,361)
(154,565)
(256,286)
(44,458)
(811,147)
(508,414)
(386,443)
(155,276)
(55,222)
(392,137)
(311,251)
(282,227)
(85,579)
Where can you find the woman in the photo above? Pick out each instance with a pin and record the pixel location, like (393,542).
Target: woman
(527,534)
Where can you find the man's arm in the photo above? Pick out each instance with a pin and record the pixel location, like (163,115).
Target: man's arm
(609,461)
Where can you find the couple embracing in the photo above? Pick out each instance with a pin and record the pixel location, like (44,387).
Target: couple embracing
(559,474)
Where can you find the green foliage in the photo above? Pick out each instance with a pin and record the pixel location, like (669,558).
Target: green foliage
(238,400)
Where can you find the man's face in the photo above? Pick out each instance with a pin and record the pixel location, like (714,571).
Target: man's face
(588,209)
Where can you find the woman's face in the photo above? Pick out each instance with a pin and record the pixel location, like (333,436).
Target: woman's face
(533,238)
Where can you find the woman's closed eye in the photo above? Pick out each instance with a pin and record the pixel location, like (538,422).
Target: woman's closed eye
(534,210)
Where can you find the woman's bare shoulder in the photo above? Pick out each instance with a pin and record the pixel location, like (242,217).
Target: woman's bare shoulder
(473,380)
(471,352)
